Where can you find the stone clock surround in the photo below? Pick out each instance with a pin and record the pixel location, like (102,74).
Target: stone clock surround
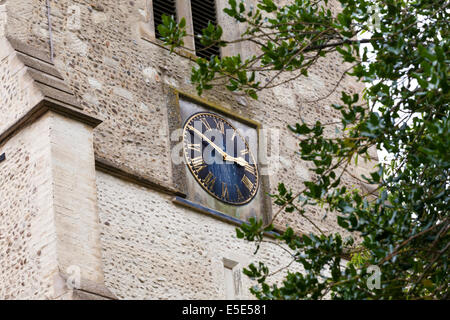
(186,184)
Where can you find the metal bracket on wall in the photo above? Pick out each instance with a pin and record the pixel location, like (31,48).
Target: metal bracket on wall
(2,157)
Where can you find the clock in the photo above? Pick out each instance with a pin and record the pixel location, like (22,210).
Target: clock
(220,159)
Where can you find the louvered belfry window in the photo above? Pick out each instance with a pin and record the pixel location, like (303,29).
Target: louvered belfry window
(161,7)
(204,11)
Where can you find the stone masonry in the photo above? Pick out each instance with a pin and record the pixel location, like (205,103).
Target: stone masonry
(87,187)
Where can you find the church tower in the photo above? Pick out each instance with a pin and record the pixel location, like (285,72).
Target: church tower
(104,193)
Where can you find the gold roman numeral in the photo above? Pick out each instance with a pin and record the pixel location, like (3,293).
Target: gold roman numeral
(246,181)
(250,169)
(240,196)
(220,126)
(198,164)
(244,152)
(209,180)
(205,123)
(195,147)
(225,194)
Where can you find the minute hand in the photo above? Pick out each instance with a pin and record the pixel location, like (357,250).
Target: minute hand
(222,153)
(240,161)
(226,156)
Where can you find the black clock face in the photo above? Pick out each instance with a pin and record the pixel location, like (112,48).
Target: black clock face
(219,158)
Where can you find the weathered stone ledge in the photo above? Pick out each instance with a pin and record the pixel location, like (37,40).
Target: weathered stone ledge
(215,214)
(122,172)
(90,290)
(43,107)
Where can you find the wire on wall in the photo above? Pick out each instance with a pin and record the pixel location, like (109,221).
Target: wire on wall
(50,31)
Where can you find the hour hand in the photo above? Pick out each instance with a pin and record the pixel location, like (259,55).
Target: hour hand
(240,161)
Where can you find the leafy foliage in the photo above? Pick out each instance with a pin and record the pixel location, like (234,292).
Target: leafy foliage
(401,224)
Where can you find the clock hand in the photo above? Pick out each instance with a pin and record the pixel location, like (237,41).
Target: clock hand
(222,153)
(240,161)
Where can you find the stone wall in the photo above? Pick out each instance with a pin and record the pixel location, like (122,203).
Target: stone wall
(153,249)
(27,234)
(102,52)
(49,226)
(18,91)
